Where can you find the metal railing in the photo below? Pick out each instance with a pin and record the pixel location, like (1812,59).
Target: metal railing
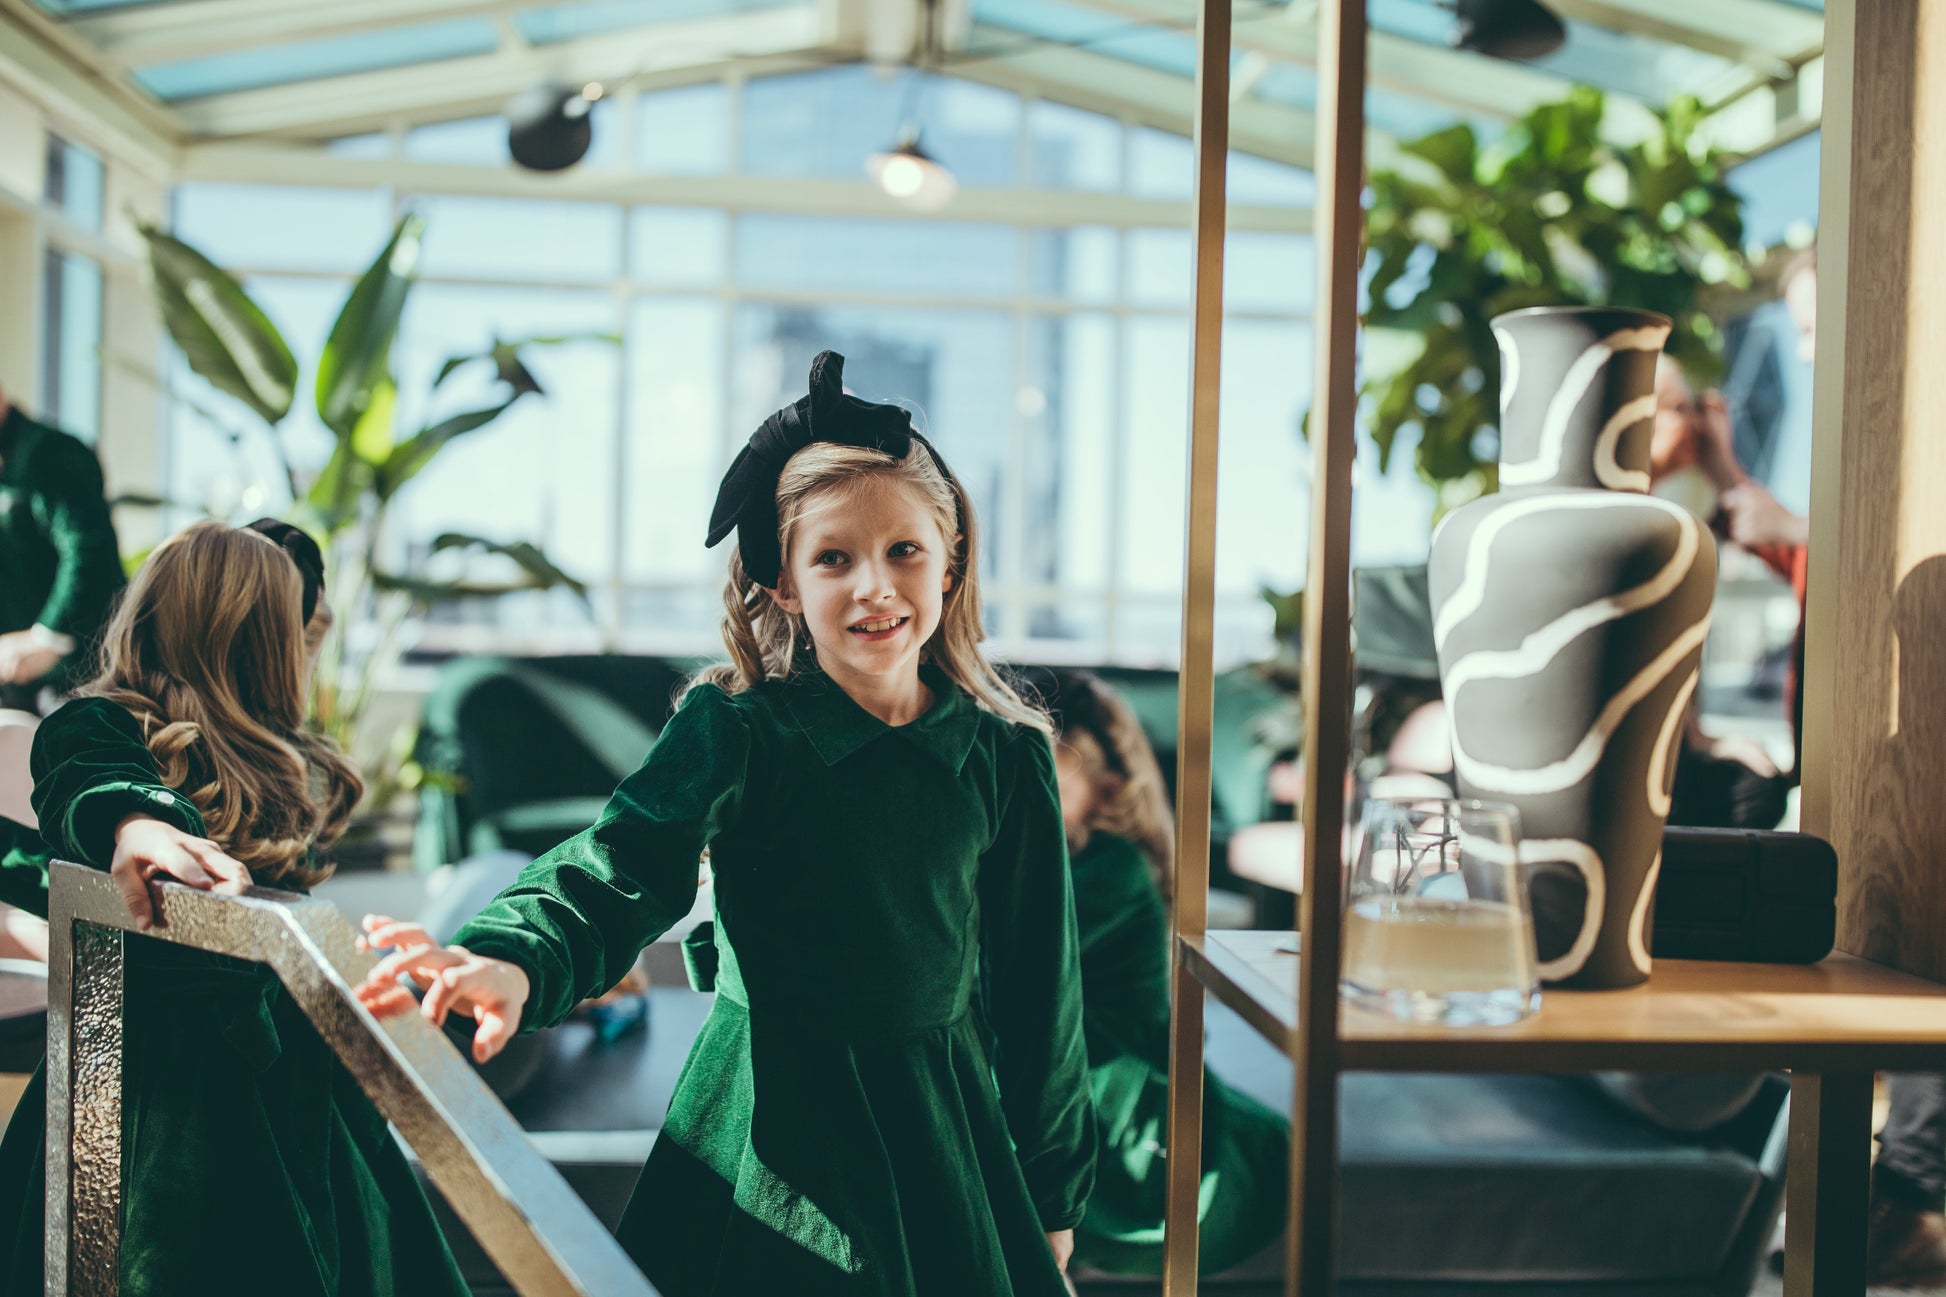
(523,1214)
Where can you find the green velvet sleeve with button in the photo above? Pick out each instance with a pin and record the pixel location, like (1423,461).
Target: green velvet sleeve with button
(1034,990)
(575,919)
(92,770)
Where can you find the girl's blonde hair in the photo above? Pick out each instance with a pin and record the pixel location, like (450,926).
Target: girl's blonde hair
(207,651)
(768,643)
(1098,726)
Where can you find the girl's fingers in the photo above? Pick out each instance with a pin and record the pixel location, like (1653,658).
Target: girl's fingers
(183,865)
(422,962)
(387,1002)
(394,935)
(440,996)
(227,872)
(491,1035)
(126,874)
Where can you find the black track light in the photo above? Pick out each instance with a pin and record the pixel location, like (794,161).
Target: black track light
(1508,29)
(548,127)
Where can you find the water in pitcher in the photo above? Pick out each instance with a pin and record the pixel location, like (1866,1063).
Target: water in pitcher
(1457,961)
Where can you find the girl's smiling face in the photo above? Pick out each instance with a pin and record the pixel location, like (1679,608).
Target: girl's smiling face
(868,571)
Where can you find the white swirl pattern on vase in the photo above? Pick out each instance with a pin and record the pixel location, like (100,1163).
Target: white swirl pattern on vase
(1574,385)
(1539,649)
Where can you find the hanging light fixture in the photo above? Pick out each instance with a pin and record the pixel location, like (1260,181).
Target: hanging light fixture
(1508,29)
(906,171)
(549,128)
(911,175)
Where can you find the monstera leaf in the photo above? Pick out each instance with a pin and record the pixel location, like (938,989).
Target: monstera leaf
(223,335)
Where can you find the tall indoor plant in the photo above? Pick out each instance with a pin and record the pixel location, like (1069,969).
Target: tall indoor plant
(1550,213)
(228,340)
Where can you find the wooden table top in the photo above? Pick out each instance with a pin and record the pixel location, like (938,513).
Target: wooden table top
(1841,1014)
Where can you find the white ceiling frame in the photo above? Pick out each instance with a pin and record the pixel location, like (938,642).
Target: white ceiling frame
(272,164)
(484,82)
(160,33)
(74,81)
(1129,92)
(1768,36)
(1469,82)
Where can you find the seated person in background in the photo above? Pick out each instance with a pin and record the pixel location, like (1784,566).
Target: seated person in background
(251,1160)
(1121,843)
(23,935)
(1727,782)
(59,564)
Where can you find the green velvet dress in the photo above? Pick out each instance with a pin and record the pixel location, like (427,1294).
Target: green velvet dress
(59,565)
(251,1161)
(836,1129)
(1246,1147)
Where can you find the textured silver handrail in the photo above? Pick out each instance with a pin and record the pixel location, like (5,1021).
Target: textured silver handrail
(533,1226)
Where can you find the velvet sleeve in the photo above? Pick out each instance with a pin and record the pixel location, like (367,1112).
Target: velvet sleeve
(23,868)
(576,918)
(91,770)
(1034,988)
(88,562)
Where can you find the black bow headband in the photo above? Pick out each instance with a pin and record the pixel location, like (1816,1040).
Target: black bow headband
(746,503)
(304,552)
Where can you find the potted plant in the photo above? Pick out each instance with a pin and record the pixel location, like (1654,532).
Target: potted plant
(346,504)
(1550,213)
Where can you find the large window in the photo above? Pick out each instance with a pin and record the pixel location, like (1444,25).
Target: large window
(71,292)
(1049,357)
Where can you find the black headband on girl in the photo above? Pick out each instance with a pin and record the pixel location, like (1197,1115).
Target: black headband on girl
(304,552)
(746,503)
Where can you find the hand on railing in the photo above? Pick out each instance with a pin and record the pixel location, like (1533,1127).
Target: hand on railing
(147,848)
(490,991)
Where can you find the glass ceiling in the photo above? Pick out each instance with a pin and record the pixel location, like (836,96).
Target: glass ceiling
(1642,50)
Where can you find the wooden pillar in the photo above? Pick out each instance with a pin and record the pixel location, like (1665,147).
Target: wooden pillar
(1312,1256)
(1195,707)
(1875,670)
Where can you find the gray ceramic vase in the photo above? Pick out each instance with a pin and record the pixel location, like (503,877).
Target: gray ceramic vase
(1569,612)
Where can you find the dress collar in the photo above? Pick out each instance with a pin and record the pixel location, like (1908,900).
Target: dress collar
(837,726)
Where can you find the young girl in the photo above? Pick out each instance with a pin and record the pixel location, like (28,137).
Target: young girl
(880,813)
(1121,840)
(251,1162)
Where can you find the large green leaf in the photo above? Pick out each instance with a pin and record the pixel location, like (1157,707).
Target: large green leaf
(412,455)
(223,335)
(538,572)
(505,355)
(357,356)
(334,496)
(372,438)
(536,566)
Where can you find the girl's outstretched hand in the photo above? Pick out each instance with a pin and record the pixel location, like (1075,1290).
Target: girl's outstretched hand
(490,991)
(1062,1241)
(147,848)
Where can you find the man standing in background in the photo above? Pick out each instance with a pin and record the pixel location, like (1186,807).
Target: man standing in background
(60,567)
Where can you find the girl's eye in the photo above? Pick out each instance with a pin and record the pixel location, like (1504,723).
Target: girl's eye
(829,558)
(904,549)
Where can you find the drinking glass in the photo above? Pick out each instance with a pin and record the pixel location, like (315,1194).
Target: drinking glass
(1437,922)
